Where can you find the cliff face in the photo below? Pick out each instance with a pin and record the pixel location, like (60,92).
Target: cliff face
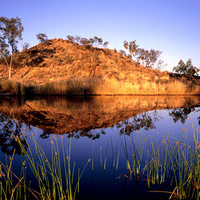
(58,59)
(63,116)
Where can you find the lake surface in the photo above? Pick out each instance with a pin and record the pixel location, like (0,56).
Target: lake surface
(115,133)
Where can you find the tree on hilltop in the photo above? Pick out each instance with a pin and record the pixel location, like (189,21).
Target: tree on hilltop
(149,57)
(72,39)
(42,37)
(84,41)
(25,46)
(10,34)
(122,52)
(97,41)
(132,47)
(186,68)
(105,44)
(77,38)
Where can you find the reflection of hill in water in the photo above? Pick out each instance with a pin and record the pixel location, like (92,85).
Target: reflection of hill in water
(60,115)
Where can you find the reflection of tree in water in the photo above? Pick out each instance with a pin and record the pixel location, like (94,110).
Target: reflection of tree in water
(8,132)
(45,134)
(142,120)
(180,114)
(92,134)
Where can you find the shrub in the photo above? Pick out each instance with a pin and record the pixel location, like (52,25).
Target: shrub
(69,59)
(105,67)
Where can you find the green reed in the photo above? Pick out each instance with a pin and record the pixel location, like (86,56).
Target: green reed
(10,184)
(178,160)
(54,169)
(125,148)
(49,173)
(174,159)
(93,157)
(105,159)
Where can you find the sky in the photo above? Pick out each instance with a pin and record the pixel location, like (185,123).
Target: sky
(170,26)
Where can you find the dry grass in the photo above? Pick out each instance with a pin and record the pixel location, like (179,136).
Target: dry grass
(99,86)
(12,87)
(112,86)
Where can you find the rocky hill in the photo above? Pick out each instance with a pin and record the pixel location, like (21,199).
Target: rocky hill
(59,60)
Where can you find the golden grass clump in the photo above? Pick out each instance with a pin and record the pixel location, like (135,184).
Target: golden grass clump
(51,89)
(12,87)
(113,86)
(100,86)
(175,87)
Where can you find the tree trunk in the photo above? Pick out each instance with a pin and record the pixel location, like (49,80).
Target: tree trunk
(10,66)
(9,77)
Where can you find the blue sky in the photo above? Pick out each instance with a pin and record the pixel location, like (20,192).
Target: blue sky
(171,26)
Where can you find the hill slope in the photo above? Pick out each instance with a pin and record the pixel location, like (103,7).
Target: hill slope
(60,60)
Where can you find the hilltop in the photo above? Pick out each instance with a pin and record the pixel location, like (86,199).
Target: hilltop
(58,60)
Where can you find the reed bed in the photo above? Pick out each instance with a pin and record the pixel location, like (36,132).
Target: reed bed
(99,86)
(55,180)
(175,158)
(175,161)
(49,174)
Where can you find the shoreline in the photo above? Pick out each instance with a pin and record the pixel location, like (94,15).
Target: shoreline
(82,95)
(94,86)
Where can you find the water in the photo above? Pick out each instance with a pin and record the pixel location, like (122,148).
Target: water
(107,130)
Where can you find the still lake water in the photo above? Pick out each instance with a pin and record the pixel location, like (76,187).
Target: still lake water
(107,130)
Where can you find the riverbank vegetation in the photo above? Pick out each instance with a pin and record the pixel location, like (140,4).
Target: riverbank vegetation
(98,86)
(48,172)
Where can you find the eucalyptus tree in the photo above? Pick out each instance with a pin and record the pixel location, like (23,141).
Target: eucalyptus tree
(10,34)
(97,41)
(71,38)
(160,64)
(91,41)
(77,38)
(84,41)
(191,69)
(122,52)
(105,44)
(148,58)
(42,37)
(132,47)
(25,46)
(180,68)
(186,68)
(151,57)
